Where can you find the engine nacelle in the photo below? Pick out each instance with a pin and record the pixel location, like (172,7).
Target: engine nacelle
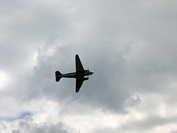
(86,78)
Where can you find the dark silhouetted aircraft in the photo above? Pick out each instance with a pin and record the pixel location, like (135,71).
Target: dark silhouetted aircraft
(79,75)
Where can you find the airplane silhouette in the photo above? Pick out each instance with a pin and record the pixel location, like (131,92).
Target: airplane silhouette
(79,75)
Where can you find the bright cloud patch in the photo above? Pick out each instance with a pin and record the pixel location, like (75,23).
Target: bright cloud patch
(5,80)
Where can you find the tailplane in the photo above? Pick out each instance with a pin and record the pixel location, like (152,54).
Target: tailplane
(57,76)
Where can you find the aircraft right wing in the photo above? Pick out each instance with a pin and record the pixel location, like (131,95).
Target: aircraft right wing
(79,66)
(78,84)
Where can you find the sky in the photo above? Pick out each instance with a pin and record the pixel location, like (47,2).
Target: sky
(130,46)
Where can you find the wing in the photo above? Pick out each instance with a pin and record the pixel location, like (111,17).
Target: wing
(79,66)
(78,84)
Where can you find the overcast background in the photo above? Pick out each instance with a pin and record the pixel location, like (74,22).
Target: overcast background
(129,44)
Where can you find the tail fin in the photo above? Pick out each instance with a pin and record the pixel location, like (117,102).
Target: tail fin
(57,76)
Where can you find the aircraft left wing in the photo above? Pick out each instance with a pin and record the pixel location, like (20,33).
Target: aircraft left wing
(78,84)
(79,67)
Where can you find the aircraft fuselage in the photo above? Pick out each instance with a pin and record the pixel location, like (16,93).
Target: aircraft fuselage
(76,74)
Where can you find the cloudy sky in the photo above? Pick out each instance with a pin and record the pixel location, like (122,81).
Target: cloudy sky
(130,45)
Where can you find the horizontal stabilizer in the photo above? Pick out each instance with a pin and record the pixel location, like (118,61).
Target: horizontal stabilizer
(58,79)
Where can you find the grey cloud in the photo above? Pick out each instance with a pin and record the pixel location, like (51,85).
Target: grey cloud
(115,77)
(59,127)
(23,29)
(108,86)
(173,132)
(107,80)
(30,127)
(153,121)
(150,122)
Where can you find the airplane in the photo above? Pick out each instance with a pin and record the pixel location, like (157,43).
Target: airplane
(79,75)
